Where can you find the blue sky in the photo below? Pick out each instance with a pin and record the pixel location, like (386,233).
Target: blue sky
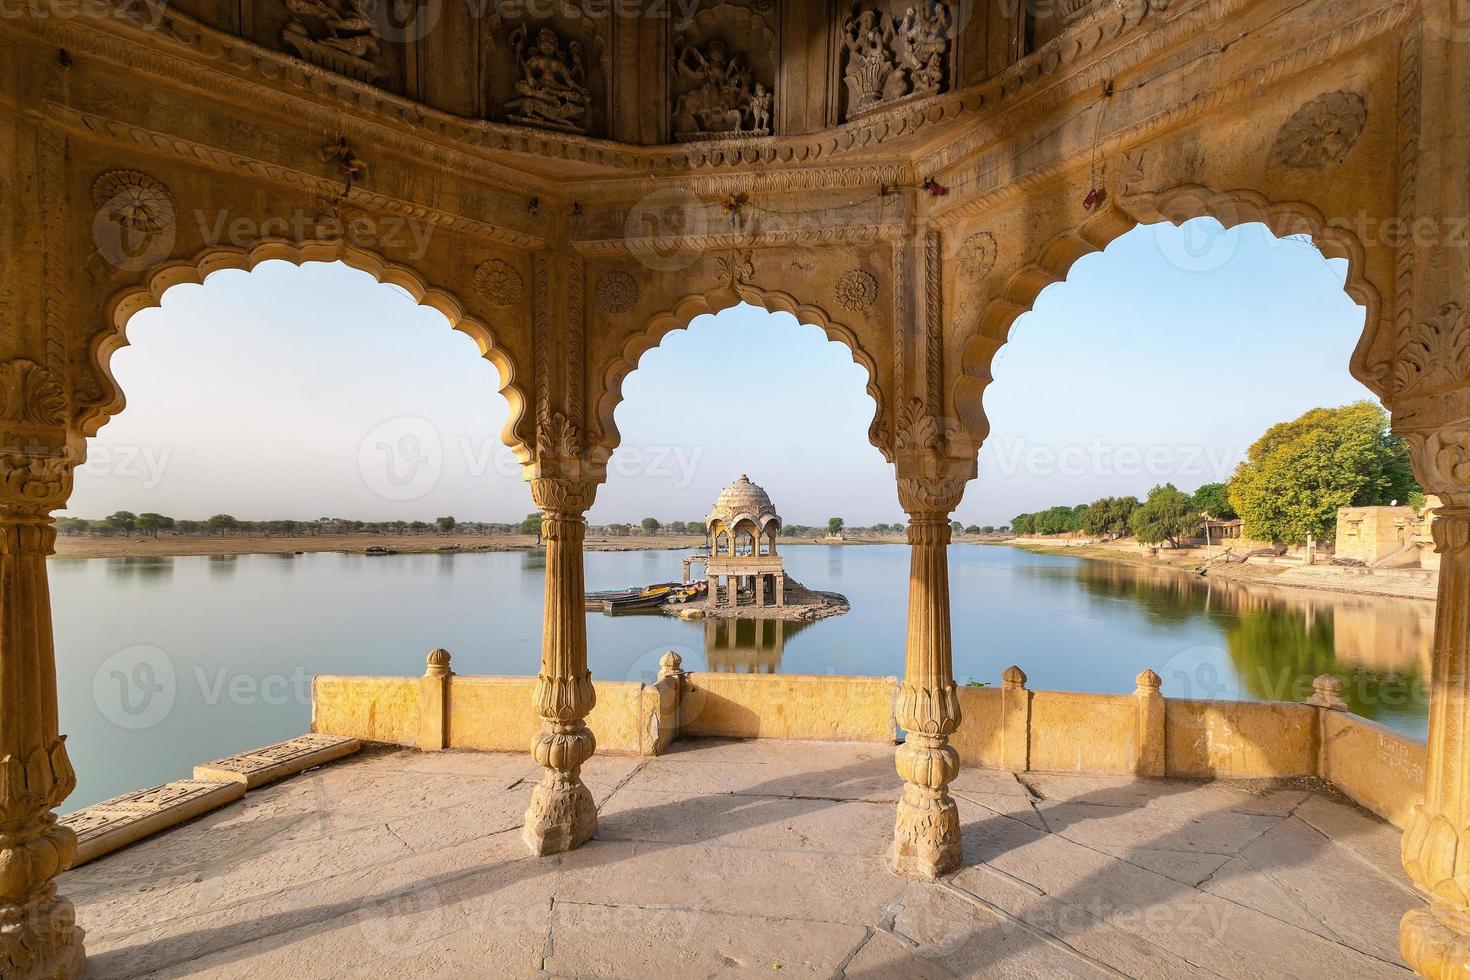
(300,392)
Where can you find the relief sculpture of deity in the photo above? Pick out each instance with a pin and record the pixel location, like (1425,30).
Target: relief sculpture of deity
(717,96)
(890,58)
(551,86)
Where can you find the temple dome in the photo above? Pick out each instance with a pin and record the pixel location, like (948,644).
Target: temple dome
(742,499)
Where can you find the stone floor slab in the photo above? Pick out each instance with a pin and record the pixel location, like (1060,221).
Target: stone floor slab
(406,864)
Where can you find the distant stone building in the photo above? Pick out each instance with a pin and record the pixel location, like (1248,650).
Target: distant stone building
(742,540)
(1387,536)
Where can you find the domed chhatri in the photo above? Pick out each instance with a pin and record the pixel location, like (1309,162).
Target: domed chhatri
(742,531)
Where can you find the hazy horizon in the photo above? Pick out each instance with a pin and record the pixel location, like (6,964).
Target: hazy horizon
(303,392)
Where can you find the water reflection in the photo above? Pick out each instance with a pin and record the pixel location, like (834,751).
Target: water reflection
(1279,639)
(747,646)
(140,568)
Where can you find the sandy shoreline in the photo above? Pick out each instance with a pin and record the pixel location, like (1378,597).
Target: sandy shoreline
(1383,583)
(181,546)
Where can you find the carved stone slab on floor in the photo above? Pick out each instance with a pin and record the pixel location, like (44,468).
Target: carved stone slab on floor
(261,766)
(105,827)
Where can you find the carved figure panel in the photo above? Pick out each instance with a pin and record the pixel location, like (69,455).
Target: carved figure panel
(548,73)
(338,35)
(551,82)
(889,57)
(1322,131)
(724,75)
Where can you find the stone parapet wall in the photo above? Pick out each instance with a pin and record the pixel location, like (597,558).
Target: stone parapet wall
(1005,727)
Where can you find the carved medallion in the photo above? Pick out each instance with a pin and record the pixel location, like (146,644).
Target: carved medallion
(134,200)
(551,82)
(1322,131)
(977,255)
(891,58)
(716,94)
(857,290)
(498,283)
(334,34)
(134,227)
(617,292)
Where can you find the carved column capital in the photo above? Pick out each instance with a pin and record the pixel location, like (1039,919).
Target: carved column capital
(931,498)
(1441,460)
(563,498)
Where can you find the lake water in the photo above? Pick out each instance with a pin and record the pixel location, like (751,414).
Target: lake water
(167,662)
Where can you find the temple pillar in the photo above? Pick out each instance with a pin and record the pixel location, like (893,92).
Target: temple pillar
(781,589)
(39,939)
(926,840)
(562,814)
(760,590)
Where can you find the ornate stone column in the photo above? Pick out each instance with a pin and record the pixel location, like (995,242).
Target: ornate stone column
(1436,843)
(39,939)
(562,813)
(926,839)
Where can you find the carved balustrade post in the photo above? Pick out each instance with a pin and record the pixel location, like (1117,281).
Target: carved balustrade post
(39,939)
(926,840)
(562,813)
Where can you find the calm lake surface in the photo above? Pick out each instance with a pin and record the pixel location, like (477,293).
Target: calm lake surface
(168,662)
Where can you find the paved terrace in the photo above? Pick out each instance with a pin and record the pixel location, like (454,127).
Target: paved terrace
(727,858)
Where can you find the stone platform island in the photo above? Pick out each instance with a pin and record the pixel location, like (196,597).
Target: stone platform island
(741,858)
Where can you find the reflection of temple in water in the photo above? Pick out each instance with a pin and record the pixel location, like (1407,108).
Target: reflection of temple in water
(747,646)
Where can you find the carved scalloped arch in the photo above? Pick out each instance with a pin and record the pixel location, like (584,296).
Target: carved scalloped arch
(685,310)
(147,294)
(1176,206)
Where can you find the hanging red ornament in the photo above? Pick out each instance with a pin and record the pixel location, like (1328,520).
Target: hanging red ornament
(1094,198)
(934,187)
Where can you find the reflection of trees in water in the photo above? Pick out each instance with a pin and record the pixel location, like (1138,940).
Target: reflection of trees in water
(1279,640)
(140,567)
(750,646)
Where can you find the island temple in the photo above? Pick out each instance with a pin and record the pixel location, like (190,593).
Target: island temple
(742,530)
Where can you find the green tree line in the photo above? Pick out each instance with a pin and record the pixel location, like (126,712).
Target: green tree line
(1291,484)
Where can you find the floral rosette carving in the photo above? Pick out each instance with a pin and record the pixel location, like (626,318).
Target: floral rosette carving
(857,290)
(1322,131)
(498,283)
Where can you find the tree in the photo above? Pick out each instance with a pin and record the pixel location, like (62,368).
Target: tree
(1296,476)
(1057,520)
(154,522)
(1167,515)
(977,529)
(124,521)
(1109,515)
(1024,523)
(1213,500)
(532,525)
(445,524)
(222,523)
(696,527)
(956,527)
(650,525)
(835,526)
(677,527)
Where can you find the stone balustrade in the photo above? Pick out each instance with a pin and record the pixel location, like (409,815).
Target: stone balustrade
(1006,727)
